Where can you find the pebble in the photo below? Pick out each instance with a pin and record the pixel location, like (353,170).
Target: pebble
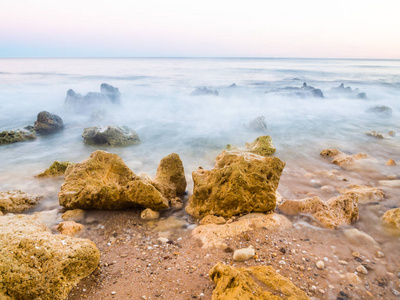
(163,240)
(331,286)
(353,278)
(398,274)
(395,292)
(321,291)
(356,254)
(379,254)
(320,265)
(343,262)
(123,255)
(149,214)
(391,133)
(113,293)
(244,254)
(361,269)
(325,259)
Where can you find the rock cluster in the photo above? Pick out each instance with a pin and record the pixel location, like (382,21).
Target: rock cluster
(301,92)
(110,136)
(48,123)
(366,194)
(16,201)
(35,264)
(343,160)
(347,91)
(56,169)
(103,181)
(240,182)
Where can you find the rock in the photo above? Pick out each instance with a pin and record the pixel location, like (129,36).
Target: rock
(176,203)
(110,136)
(77,102)
(390,183)
(320,265)
(366,194)
(362,270)
(239,183)
(203,92)
(9,137)
(262,146)
(381,111)
(170,223)
(73,215)
(335,212)
(391,219)
(233,85)
(149,214)
(302,92)
(103,181)
(342,262)
(213,235)
(391,133)
(70,228)
(346,161)
(244,254)
(359,238)
(163,240)
(260,282)
(375,134)
(35,264)
(56,169)
(353,278)
(347,92)
(48,123)
(211,219)
(258,124)
(391,162)
(16,201)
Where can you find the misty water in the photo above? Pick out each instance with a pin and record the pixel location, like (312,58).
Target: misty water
(156,103)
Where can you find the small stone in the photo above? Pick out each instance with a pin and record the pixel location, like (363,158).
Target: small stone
(73,215)
(391,162)
(320,265)
(353,278)
(343,262)
(356,254)
(123,255)
(163,240)
(395,292)
(149,214)
(331,286)
(398,274)
(391,133)
(362,270)
(113,293)
(211,219)
(70,228)
(379,254)
(244,254)
(321,291)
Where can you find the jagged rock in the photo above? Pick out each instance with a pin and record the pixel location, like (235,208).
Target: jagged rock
(391,219)
(149,214)
(335,212)
(9,137)
(374,133)
(203,92)
(110,136)
(108,95)
(211,219)
(383,111)
(260,282)
(240,182)
(346,161)
(103,181)
(302,92)
(16,201)
(341,90)
(258,124)
(233,85)
(73,215)
(48,123)
(70,228)
(366,194)
(213,235)
(262,146)
(56,169)
(35,264)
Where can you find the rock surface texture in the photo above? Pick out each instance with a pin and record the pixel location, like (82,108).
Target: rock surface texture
(16,201)
(56,169)
(48,123)
(110,136)
(239,183)
(261,282)
(366,194)
(262,146)
(335,212)
(35,264)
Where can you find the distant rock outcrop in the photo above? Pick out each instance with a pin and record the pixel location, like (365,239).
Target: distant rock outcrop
(48,123)
(258,124)
(110,136)
(303,92)
(204,92)
(381,111)
(341,90)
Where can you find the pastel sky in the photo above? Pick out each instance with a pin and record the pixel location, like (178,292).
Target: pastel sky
(218,28)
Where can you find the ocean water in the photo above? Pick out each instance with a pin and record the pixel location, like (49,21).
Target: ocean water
(156,102)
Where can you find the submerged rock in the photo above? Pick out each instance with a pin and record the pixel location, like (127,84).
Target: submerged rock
(56,169)
(391,219)
(335,212)
(258,124)
(48,123)
(211,219)
(382,111)
(341,90)
(240,182)
(149,214)
(9,137)
(35,264)
(260,282)
(346,161)
(374,133)
(16,201)
(110,136)
(366,194)
(262,146)
(302,92)
(203,92)
(244,254)
(73,215)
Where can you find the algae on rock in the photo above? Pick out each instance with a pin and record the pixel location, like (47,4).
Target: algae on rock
(56,169)
(9,137)
(262,146)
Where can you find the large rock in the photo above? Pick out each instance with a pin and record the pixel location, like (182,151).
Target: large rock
(110,136)
(366,194)
(347,92)
(103,181)
(48,123)
(335,212)
(260,282)
(391,219)
(258,124)
(16,201)
(262,146)
(240,182)
(56,169)
(214,235)
(9,137)
(35,264)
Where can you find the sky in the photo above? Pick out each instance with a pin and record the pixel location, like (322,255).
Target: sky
(218,28)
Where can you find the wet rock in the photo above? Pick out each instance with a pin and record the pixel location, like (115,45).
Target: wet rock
(260,282)
(381,111)
(390,183)
(303,92)
(244,254)
(262,146)
(48,123)
(390,162)
(56,169)
(366,194)
(73,215)
(335,212)
(70,228)
(35,264)
(103,181)
(239,183)
(391,133)
(346,161)
(203,92)
(258,124)
(16,201)
(233,85)
(9,137)
(170,223)
(149,214)
(211,219)
(348,92)
(374,133)
(359,238)
(391,219)
(110,136)
(213,235)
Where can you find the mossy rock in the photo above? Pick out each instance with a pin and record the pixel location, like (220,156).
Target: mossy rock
(9,137)
(261,146)
(56,169)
